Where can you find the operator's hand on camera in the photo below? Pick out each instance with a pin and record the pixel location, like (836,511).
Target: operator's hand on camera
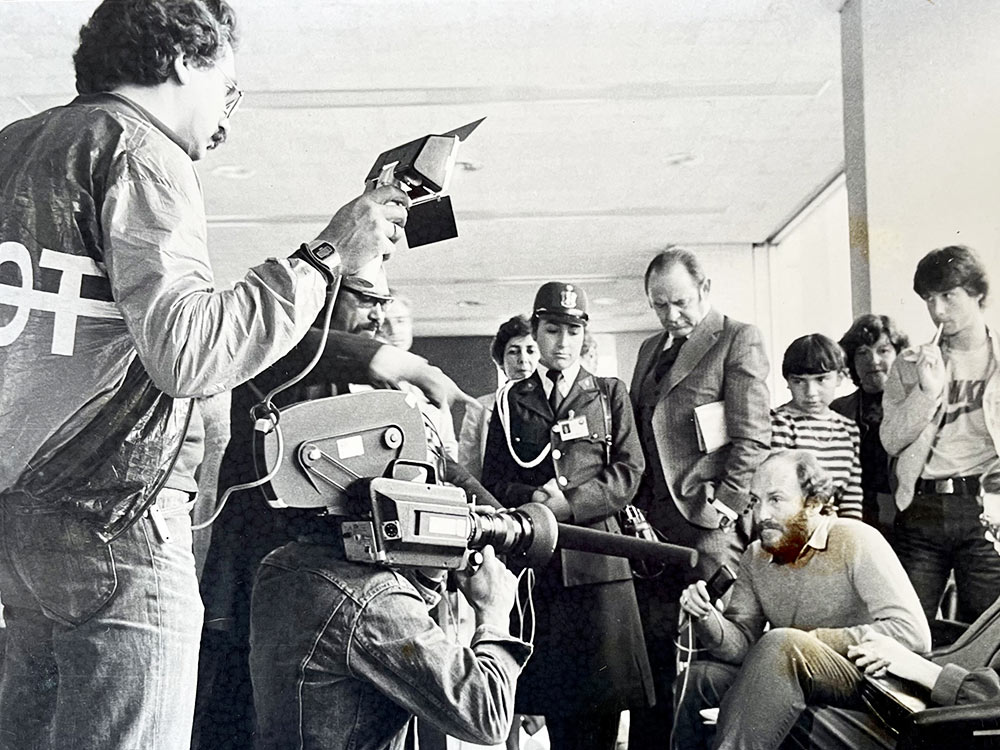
(696,600)
(365,230)
(552,497)
(490,590)
(393,365)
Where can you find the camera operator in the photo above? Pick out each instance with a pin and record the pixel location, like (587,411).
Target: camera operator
(117,323)
(247,528)
(343,654)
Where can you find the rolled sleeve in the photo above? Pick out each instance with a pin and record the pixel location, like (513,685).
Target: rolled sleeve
(956,685)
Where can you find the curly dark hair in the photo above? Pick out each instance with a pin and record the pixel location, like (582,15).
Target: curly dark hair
(517,326)
(950,267)
(866,330)
(137,41)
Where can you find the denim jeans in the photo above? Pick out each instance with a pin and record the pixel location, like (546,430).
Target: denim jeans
(102,644)
(761,700)
(940,533)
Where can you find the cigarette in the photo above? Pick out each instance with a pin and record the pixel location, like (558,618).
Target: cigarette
(937,335)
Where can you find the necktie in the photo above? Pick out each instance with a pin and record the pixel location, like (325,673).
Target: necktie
(667,358)
(554,397)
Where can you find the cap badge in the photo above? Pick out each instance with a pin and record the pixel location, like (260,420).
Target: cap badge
(567,298)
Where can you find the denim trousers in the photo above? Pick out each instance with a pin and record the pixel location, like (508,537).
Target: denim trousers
(762,699)
(102,642)
(940,533)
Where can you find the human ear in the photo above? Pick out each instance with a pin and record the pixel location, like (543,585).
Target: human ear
(181,70)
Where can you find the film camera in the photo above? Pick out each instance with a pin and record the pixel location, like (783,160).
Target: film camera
(362,458)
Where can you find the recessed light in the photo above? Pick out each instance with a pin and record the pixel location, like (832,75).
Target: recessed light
(233,172)
(469,303)
(680,158)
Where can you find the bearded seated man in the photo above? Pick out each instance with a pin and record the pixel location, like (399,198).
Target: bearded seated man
(963,673)
(823,584)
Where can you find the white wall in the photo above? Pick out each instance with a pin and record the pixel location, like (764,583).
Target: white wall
(805,281)
(927,130)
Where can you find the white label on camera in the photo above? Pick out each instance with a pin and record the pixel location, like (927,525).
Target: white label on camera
(349,447)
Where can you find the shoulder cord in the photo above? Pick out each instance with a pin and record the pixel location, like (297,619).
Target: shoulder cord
(503,412)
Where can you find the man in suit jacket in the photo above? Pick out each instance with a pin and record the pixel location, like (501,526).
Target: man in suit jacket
(692,497)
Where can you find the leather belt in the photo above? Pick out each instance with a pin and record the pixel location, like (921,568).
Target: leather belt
(964,486)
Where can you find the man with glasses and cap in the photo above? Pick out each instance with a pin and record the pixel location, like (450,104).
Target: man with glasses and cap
(565,438)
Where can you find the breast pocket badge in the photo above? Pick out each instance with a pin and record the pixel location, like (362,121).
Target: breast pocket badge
(573,428)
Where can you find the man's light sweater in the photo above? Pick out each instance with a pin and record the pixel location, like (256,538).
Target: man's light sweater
(846,583)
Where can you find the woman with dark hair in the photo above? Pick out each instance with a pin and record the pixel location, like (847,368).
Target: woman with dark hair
(515,353)
(871,345)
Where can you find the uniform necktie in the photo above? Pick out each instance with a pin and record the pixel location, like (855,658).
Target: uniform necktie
(554,397)
(667,358)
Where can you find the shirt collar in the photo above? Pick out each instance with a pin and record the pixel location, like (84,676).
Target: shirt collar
(140,110)
(568,378)
(817,541)
(429,590)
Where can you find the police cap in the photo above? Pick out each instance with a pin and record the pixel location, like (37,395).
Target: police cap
(562,301)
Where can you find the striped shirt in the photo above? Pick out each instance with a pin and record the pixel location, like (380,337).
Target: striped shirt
(835,441)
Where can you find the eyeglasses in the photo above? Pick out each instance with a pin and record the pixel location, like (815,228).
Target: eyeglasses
(234,94)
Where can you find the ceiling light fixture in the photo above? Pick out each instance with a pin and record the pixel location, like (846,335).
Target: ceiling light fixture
(233,172)
(681,158)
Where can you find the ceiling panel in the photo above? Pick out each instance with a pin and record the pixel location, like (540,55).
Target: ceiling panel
(612,129)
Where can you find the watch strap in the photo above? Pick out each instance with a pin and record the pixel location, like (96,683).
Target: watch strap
(320,255)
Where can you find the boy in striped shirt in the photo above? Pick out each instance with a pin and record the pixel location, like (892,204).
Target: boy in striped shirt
(813,367)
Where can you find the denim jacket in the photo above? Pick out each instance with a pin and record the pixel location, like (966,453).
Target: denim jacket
(343,654)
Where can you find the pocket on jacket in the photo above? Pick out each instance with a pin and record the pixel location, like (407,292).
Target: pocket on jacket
(63,563)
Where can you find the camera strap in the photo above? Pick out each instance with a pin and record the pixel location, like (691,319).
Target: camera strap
(602,385)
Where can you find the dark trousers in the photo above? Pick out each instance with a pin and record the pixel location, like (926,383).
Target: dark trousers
(938,534)
(659,609)
(596,730)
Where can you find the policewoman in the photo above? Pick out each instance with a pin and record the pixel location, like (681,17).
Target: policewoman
(566,438)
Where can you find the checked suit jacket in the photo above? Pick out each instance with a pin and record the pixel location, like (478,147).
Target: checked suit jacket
(722,360)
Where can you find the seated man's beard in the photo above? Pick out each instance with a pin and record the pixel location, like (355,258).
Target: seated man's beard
(790,545)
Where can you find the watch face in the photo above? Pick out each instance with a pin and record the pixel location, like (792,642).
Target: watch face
(323,250)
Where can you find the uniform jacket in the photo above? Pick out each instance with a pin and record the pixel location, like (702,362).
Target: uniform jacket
(722,360)
(910,419)
(117,317)
(595,488)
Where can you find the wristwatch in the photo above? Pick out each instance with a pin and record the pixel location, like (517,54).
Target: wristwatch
(322,256)
(322,250)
